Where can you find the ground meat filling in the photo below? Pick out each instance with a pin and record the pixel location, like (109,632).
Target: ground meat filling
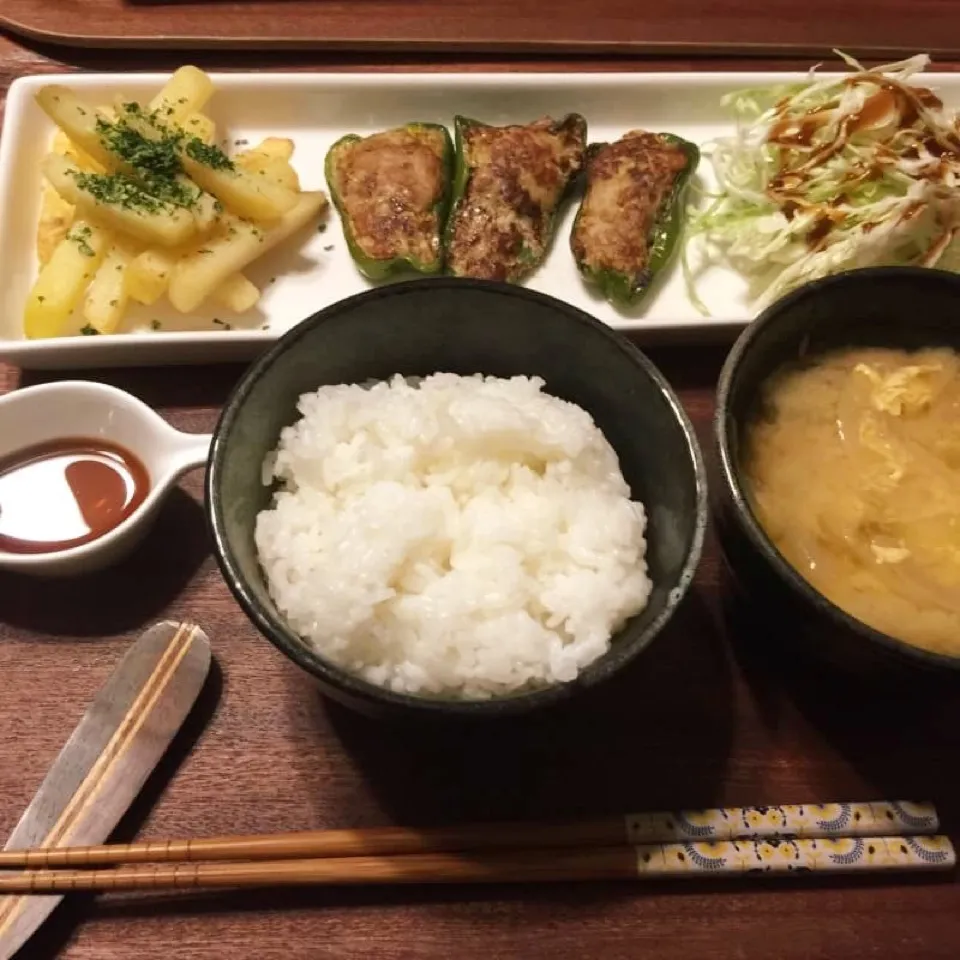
(518,176)
(627,184)
(389,185)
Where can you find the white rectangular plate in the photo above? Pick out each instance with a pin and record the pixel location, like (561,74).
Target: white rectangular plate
(316,270)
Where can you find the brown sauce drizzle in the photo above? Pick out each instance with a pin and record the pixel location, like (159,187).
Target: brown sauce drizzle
(893,108)
(884,105)
(821,227)
(789,132)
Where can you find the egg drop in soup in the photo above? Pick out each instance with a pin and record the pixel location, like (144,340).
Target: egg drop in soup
(853,470)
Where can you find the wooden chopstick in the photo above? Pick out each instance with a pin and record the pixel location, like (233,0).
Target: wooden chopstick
(879,818)
(725,858)
(112,751)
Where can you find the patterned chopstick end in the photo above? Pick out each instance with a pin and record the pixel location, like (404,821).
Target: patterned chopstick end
(796,856)
(812,820)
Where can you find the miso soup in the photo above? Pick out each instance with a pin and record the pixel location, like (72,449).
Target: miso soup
(853,470)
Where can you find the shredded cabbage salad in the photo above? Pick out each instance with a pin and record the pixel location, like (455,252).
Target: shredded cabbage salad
(830,174)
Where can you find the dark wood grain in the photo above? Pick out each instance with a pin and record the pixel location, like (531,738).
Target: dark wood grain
(705,718)
(679,26)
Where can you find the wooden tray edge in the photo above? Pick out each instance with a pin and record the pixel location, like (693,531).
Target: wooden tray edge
(642,48)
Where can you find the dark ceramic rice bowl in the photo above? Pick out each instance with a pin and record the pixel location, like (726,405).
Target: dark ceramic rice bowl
(463,327)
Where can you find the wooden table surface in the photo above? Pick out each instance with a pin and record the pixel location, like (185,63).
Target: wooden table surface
(705,718)
(676,27)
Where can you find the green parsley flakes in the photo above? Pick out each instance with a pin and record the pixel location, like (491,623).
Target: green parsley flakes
(81,237)
(117,189)
(208,155)
(155,161)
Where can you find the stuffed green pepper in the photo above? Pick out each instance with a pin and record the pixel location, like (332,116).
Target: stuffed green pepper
(392,191)
(632,211)
(508,185)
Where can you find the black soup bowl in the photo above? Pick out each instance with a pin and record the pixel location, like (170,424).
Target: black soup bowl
(462,327)
(899,307)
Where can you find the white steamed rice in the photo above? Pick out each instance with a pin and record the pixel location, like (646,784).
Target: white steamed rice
(463,537)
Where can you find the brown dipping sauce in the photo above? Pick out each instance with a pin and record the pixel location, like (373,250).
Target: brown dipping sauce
(67,492)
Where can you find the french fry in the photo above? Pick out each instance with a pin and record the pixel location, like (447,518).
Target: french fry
(237,293)
(244,192)
(273,167)
(78,121)
(61,143)
(132,213)
(110,233)
(72,152)
(237,244)
(206,208)
(107,295)
(148,275)
(206,211)
(62,280)
(279,147)
(64,145)
(152,123)
(186,92)
(56,215)
(200,125)
(247,193)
